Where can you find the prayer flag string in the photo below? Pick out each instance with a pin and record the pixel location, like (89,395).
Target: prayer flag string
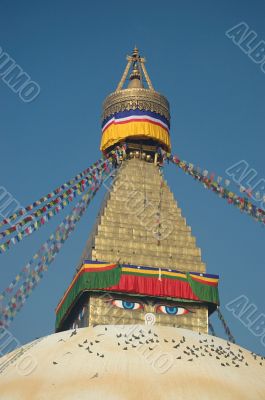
(47,252)
(40,217)
(242,203)
(114,154)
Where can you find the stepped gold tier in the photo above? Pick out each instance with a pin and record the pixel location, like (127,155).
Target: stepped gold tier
(127,228)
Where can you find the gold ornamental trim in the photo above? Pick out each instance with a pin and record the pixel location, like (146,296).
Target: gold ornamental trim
(136,98)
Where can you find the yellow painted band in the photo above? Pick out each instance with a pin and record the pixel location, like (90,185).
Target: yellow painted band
(116,133)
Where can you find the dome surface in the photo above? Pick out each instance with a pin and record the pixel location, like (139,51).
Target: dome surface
(131,362)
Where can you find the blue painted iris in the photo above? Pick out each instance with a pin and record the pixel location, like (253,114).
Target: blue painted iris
(172,310)
(127,305)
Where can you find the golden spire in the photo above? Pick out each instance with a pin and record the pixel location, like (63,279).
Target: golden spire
(133,100)
(135,77)
(136,62)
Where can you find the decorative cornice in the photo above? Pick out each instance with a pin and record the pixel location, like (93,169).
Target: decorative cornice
(136,98)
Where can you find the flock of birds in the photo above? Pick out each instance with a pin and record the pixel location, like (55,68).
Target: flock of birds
(228,355)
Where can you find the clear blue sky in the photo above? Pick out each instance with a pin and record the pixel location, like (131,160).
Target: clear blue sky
(76,51)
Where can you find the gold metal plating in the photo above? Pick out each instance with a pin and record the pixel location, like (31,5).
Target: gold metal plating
(136,98)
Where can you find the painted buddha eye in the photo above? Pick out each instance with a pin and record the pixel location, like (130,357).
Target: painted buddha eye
(172,310)
(127,305)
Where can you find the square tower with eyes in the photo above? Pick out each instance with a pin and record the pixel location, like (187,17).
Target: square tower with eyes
(114,309)
(110,309)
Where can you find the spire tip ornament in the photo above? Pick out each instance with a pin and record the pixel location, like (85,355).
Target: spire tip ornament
(135,52)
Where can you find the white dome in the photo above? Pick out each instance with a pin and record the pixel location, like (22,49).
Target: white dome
(131,362)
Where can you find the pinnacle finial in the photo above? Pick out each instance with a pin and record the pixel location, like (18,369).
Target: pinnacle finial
(138,72)
(135,77)
(135,52)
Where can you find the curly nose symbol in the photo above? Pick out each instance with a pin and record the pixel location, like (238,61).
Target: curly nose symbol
(150,319)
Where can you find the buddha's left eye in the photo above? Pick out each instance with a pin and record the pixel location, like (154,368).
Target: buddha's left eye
(127,305)
(172,310)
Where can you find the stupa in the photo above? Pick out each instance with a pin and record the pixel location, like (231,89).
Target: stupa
(133,323)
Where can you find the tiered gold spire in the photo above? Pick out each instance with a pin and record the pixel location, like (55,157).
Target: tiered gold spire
(141,224)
